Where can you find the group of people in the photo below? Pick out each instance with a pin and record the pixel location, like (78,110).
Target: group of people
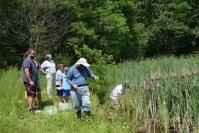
(68,81)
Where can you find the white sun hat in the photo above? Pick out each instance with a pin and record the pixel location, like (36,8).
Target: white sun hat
(82,61)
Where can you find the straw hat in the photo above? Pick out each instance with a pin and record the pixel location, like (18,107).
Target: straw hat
(82,61)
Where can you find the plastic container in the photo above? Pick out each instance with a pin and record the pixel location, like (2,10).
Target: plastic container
(65,106)
(50,110)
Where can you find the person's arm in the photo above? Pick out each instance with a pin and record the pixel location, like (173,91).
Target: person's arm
(37,63)
(42,70)
(27,73)
(121,92)
(90,74)
(58,79)
(120,89)
(43,65)
(60,82)
(61,87)
(120,97)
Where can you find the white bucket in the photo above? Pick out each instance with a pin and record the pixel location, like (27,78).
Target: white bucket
(50,110)
(64,106)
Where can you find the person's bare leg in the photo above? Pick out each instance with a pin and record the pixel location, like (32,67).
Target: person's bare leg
(63,99)
(30,102)
(38,98)
(60,99)
(66,99)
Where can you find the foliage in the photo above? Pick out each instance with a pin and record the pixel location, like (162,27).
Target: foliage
(13,33)
(140,28)
(171,28)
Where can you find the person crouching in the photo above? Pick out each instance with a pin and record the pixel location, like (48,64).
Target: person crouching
(117,92)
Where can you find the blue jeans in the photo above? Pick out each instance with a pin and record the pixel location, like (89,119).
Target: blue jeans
(81,98)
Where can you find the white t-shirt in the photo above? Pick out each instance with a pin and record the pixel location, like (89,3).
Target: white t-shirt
(117,91)
(58,77)
(49,66)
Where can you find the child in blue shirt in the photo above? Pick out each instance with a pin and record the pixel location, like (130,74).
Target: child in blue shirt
(66,87)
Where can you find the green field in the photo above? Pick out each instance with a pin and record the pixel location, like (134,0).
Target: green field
(163,94)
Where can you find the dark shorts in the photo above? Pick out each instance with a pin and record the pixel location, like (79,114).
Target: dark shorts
(59,92)
(65,93)
(31,90)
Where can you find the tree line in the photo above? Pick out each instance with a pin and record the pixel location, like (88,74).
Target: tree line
(111,30)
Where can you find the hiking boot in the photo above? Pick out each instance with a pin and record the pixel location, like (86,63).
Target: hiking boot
(32,111)
(78,114)
(87,113)
(38,107)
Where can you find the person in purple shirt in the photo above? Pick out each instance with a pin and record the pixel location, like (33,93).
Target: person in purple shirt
(77,77)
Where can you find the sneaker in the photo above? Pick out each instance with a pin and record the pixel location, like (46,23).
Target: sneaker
(38,111)
(31,109)
(87,113)
(78,114)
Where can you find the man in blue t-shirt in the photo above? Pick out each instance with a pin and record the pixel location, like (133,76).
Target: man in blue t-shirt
(30,77)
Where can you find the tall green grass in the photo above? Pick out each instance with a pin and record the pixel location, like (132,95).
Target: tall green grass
(166,103)
(173,96)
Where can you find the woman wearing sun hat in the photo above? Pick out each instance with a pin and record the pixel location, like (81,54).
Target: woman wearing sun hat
(77,77)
